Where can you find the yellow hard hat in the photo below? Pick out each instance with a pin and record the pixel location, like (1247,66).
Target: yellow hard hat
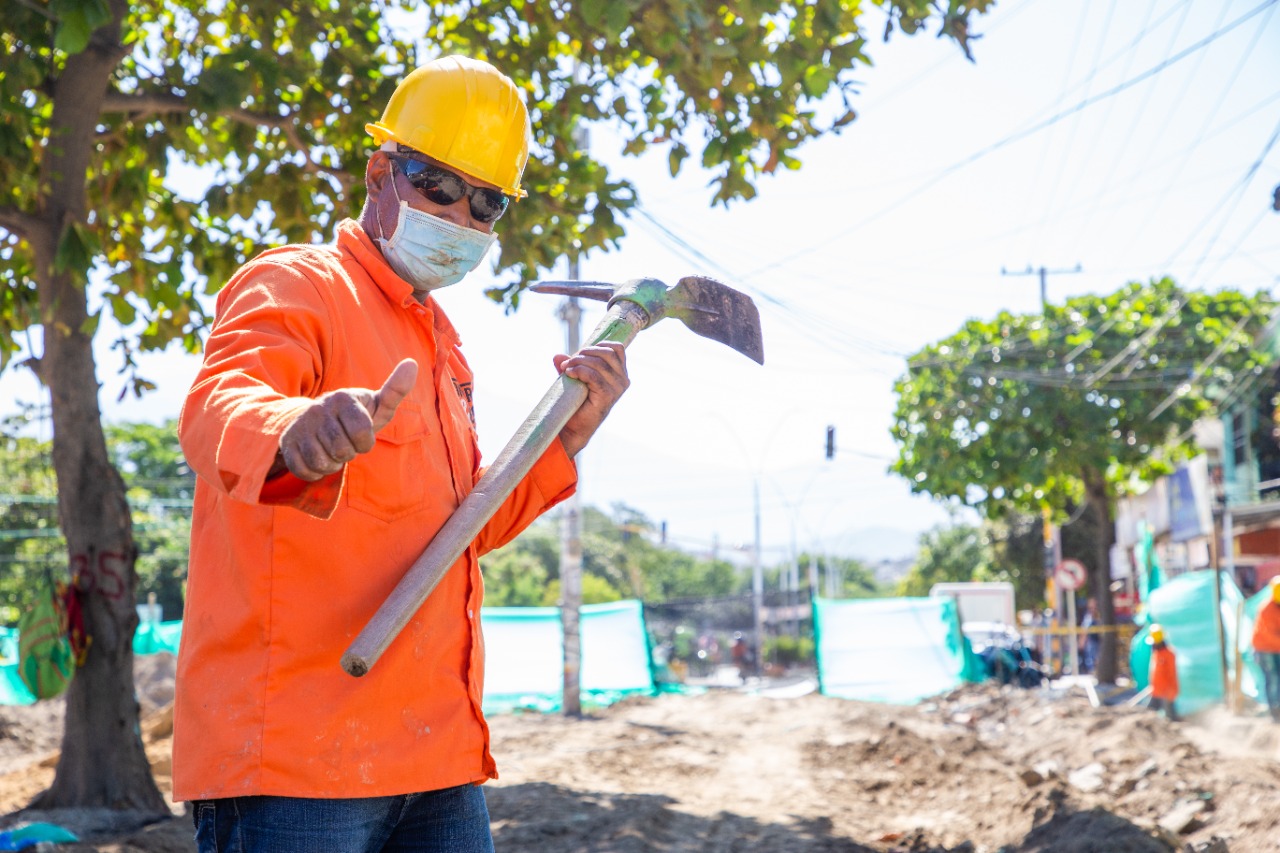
(1275,591)
(1157,633)
(464,113)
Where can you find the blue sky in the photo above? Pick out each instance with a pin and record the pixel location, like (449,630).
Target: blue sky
(1134,138)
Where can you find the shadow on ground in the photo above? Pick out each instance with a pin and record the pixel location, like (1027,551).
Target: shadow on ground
(545,817)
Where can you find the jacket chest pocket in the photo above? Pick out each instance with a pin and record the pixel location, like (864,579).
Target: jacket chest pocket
(390,481)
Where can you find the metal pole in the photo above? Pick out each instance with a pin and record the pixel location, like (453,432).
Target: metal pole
(793,585)
(1074,652)
(571,540)
(1044,284)
(1229,558)
(757,581)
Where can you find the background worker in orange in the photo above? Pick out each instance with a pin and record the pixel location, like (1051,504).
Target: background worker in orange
(1164,674)
(1266,648)
(332,431)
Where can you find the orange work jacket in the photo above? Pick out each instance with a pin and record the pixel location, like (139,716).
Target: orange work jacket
(1164,674)
(284,575)
(1266,629)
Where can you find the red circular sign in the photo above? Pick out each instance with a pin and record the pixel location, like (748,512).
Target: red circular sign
(1070,574)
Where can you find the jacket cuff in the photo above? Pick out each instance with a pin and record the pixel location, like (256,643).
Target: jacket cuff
(554,475)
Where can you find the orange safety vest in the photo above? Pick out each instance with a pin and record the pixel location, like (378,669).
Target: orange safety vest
(1266,629)
(283,576)
(1164,674)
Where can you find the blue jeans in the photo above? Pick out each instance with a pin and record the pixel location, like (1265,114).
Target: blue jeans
(1270,664)
(455,820)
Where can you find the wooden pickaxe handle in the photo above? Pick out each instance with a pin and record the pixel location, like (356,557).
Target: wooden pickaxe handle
(621,323)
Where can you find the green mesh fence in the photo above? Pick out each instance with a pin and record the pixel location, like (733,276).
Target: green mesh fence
(1183,607)
(896,650)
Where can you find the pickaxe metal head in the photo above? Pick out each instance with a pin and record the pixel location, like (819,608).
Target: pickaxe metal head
(708,307)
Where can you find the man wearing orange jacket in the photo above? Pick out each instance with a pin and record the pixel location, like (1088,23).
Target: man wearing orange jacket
(332,430)
(1164,674)
(1266,648)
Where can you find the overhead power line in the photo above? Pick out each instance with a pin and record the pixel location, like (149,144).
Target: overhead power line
(1237,191)
(1019,135)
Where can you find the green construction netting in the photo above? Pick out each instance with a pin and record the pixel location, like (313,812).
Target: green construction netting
(897,650)
(154,637)
(12,690)
(1183,607)
(524,656)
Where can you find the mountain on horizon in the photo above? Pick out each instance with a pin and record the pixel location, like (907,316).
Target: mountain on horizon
(876,544)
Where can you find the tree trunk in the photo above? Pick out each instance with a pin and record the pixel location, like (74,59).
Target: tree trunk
(1100,583)
(103,763)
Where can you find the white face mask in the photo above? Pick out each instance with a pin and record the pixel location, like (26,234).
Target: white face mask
(429,252)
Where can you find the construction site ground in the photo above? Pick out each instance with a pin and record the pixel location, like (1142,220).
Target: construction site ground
(778,767)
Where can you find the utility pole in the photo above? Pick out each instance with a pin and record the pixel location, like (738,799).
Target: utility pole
(1044,284)
(757,584)
(571,538)
(1051,558)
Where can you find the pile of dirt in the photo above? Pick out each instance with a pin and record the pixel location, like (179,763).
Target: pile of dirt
(981,770)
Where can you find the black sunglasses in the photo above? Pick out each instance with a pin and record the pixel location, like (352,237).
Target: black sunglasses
(440,186)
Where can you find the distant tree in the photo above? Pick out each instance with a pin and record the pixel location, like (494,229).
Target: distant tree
(514,578)
(1094,396)
(951,553)
(856,578)
(595,590)
(150,459)
(670,574)
(159,487)
(30,541)
(164,547)
(620,559)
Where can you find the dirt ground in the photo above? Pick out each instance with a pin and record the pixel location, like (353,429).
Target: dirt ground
(984,768)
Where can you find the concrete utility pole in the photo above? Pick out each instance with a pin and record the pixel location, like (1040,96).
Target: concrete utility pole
(1051,559)
(757,584)
(1043,273)
(571,539)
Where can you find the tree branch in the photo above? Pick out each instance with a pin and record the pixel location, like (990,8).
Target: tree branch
(162,102)
(150,102)
(22,225)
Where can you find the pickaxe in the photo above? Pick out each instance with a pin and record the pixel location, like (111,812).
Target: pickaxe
(707,307)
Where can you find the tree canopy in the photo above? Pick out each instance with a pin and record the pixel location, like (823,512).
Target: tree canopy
(1018,411)
(951,553)
(620,559)
(269,101)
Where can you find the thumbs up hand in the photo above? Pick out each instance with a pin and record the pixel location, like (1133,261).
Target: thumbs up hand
(341,424)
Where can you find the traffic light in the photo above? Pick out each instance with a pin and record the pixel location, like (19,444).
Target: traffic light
(831,442)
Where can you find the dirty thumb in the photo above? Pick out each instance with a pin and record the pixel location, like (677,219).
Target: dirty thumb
(395,389)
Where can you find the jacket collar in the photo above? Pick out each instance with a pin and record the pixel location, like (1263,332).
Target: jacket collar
(353,240)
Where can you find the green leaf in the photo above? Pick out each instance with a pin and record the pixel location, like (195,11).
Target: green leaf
(593,11)
(617,17)
(77,20)
(89,327)
(76,251)
(676,156)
